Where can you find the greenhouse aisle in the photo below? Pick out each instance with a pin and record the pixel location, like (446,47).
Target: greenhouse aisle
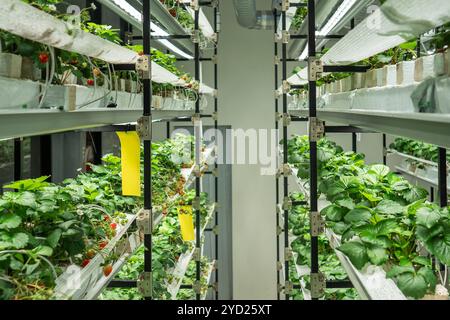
(246,83)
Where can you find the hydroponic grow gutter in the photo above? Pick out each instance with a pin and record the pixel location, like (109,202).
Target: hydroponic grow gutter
(183,263)
(370,284)
(427,127)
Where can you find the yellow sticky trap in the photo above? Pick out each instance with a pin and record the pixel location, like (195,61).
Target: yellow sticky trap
(130,154)
(186,223)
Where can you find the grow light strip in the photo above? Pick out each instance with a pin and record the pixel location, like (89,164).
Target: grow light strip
(331,23)
(156,30)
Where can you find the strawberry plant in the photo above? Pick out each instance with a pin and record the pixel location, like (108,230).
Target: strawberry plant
(379,215)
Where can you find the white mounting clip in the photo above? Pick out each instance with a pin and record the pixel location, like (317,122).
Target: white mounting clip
(285,5)
(317,285)
(316,129)
(315,69)
(144,284)
(286,87)
(285,36)
(284,170)
(317,224)
(144,221)
(288,287)
(144,128)
(195,36)
(287,203)
(195,5)
(288,255)
(143,67)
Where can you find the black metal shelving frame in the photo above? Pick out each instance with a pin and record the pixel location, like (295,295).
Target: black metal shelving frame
(317,129)
(144,128)
(145,282)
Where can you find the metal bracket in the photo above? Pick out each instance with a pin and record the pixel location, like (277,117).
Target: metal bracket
(195,5)
(195,36)
(215,59)
(315,69)
(385,152)
(215,172)
(128,37)
(196,256)
(279,230)
(144,284)
(286,87)
(317,224)
(215,286)
(317,285)
(144,221)
(285,171)
(279,266)
(279,209)
(144,128)
(215,3)
(279,287)
(143,67)
(214,37)
(197,171)
(316,129)
(197,287)
(285,36)
(288,287)
(277,94)
(196,203)
(195,118)
(286,119)
(288,254)
(215,93)
(287,203)
(215,229)
(215,116)
(277,60)
(285,5)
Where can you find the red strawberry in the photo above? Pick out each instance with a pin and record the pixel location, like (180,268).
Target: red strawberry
(113,225)
(103,244)
(43,57)
(106,218)
(85,262)
(173,12)
(90,82)
(107,270)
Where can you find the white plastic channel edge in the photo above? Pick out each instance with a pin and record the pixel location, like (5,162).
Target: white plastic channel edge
(30,23)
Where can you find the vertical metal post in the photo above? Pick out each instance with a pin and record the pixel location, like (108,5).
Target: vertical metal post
(384,149)
(216,166)
(442,177)
(197,149)
(168,129)
(285,152)
(17,159)
(312,142)
(354,142)
(147,96)
(277,185)
(431,194)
